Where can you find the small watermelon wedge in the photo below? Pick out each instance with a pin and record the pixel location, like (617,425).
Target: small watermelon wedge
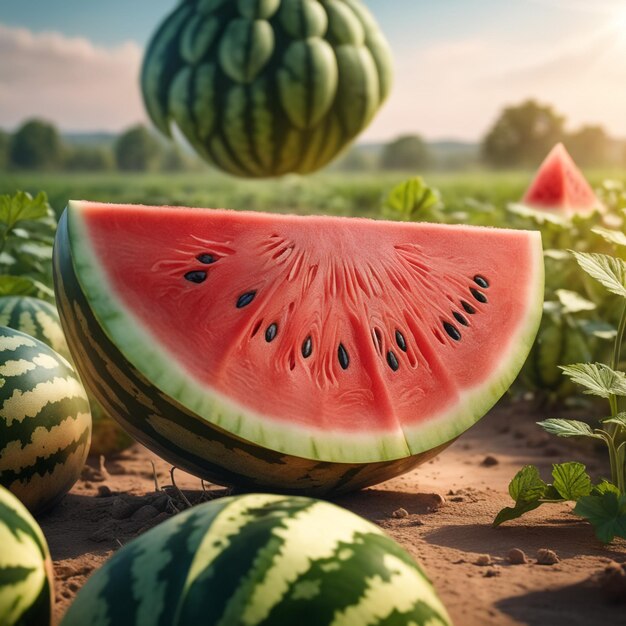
(309,354)
(560,186)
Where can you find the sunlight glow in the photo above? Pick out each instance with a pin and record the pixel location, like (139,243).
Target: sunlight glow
(619,23)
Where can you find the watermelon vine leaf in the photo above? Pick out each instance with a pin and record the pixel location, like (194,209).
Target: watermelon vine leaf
(619,419)
(573,302)
(615,237)
(571,480)
(411,199)
(597,378)
(567,428)
(607,270)
(27,228)
(530,491)
(607,513)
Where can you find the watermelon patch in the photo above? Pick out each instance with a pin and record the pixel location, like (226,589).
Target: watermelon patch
(322,340)
(560,186)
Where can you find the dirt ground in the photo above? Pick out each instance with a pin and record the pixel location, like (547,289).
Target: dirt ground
(450,503)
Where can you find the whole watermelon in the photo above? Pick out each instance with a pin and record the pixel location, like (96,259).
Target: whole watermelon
(45,421)
(260,560)
(262,88)
(40,320)
(36,318)
(26,579)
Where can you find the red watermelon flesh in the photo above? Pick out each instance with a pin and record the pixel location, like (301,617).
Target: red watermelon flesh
(561,186)
(337,339)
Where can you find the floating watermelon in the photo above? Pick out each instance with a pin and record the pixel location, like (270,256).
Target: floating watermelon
(26,577)
(301,353)
(263,88)
(45,422)
(260,560)
(560,186)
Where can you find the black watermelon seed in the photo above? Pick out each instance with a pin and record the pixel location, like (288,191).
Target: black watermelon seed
(245,299)
(195,277)
(481,281)
(401,341)
(307,347)
(468,307)
(270,333)
(452,331)
(460,319)
(478,295)
(207,259)
(342,355)
(392,361)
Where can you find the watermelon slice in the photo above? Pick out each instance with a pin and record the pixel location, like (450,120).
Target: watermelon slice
(223,339)
(560,186)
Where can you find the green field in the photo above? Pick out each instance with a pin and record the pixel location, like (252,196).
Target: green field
(328,192)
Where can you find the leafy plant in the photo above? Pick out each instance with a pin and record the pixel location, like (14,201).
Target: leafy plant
(603,505)
(27,227)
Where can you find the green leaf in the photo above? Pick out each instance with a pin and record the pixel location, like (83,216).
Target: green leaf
(601,330)
(16,286)
(607,513)
(571,480)
(411,198)
(605,487)
(22,206)
(7,259)
(539,217)
(557,254)
(527,485)
(607,270)
(573,302)
(567,428)
(619,419)
(509,513)
(597,378)
(612,236)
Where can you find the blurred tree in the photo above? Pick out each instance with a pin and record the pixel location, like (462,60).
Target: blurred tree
(356,159)
(89,159)
(590,146)
(137,150)
(36,145)
(5,140)
(523,135)
(173,160)
(408,152)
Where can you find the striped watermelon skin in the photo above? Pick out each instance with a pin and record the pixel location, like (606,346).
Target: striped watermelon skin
(45,421)
(260,560)
(179,436)
(262,88)
(26,577)
(40,319)
(36,318)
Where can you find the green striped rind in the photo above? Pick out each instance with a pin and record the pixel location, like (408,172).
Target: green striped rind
(26,579)
(260,560)
(40,319)
(177,434)
(45,421)
(36,318)
(251,85)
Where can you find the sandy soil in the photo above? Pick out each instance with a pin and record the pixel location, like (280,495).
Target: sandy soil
(450,503)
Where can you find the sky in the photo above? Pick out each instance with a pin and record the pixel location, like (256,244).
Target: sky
(457,62)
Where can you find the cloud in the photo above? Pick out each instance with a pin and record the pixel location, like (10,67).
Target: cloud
(70,81)
(457,88)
